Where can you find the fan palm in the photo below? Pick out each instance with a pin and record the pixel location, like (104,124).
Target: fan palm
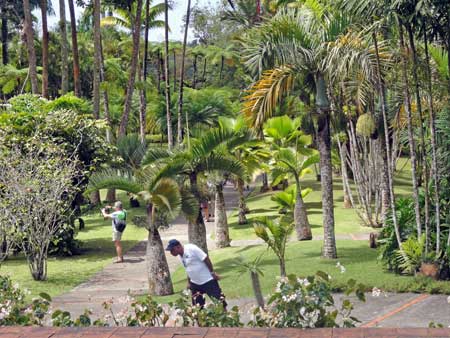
(162,195)
(299,44)
(202,156)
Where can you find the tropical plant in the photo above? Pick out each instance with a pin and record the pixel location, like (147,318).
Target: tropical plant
(286,199)
(275,233)
(252,267)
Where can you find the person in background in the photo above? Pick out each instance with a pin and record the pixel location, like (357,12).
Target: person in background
(119,215)
(201,276)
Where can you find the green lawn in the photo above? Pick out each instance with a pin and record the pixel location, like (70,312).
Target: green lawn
(303,259)
(346,220)
(64,273)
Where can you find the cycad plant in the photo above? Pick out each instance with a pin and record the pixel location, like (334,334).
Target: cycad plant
(160,195)
(275,233)
(202,155)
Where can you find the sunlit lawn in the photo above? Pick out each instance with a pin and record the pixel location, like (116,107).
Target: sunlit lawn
(64,273)
(346,220)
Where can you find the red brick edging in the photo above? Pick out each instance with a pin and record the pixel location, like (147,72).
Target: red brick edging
(130,332)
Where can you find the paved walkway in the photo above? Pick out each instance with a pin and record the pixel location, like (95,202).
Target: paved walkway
(117,280)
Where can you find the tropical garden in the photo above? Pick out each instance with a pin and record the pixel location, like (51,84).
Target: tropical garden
(331,119)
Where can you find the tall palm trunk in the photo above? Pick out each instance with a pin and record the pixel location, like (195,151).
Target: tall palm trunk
(326,173)
(257,288)
(196,228)
(183,59)
(158,272)
(133,69)
(166,75)
(194,75)
(204,71)
(220,219)
(174,56)
(412,143)
(75,54)
(242,219)
(106,112)
(302,226)
(434,166)
(422,136)
(97,60)
(64,48)
(222,61)
(143,110)
(4,34)
(29,33)
(382,93)
(43,6)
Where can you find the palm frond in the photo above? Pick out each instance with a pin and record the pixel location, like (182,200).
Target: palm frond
(113,178)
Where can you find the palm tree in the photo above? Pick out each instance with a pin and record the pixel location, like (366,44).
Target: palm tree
(275,233)
(287,162)
(297,44)
(43,5)
(97,60)
(183,59)
(166,75)
(160,196)
(29,33)
(203,156)
(64,48)
(75,54)
(133,68)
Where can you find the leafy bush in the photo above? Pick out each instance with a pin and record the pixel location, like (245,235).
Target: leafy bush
(69,102)
(307,303)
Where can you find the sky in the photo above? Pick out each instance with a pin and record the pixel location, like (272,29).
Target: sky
(175,18)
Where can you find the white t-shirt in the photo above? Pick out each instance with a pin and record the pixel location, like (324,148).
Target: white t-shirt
(193,261)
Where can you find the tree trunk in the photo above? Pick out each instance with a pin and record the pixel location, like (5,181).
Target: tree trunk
(159,282)
(385,196)
(265,183)
(158,71)
(204,72)
(434,166)
(97,61)
(257,289)
(29,33)
(174,55)
(222,60)
(302,226)
(422,136)
(197,229)
(242,205)
(38,267)
(107,115)
(44,49)
(183,59)
(220,219)
(133,69)
(326,173)
(64,48)
(5,55)
(111,195)
(412,143)
(166,75)
(282,264)
(75,54)
(348,199)
(143,110)
(381,90)
(94,198)
(194,75)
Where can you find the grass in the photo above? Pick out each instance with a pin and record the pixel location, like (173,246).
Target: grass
(346,220)
(303,259)
(64,273)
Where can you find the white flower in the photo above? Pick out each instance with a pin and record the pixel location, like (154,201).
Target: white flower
(377,292)
(340,266)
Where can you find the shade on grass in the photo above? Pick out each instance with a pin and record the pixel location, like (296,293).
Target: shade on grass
(64,273)
(303,259)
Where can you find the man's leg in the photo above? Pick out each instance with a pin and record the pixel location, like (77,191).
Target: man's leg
(213,290)
(118,250)
(197,295)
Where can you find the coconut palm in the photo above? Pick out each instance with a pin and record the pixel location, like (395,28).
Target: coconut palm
(275,233)
(203,155)
(297,44)
(161,196)
(64,48)
(29,34)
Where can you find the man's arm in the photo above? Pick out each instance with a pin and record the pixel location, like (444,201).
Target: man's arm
(210,268)
(104,214)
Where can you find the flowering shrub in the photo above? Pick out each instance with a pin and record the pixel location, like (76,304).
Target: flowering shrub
(306,303)
(14,311)
(212,315)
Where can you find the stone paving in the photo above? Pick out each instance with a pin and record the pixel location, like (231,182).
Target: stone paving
(133,332)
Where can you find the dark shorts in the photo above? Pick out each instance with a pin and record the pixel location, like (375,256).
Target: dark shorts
(211,288)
